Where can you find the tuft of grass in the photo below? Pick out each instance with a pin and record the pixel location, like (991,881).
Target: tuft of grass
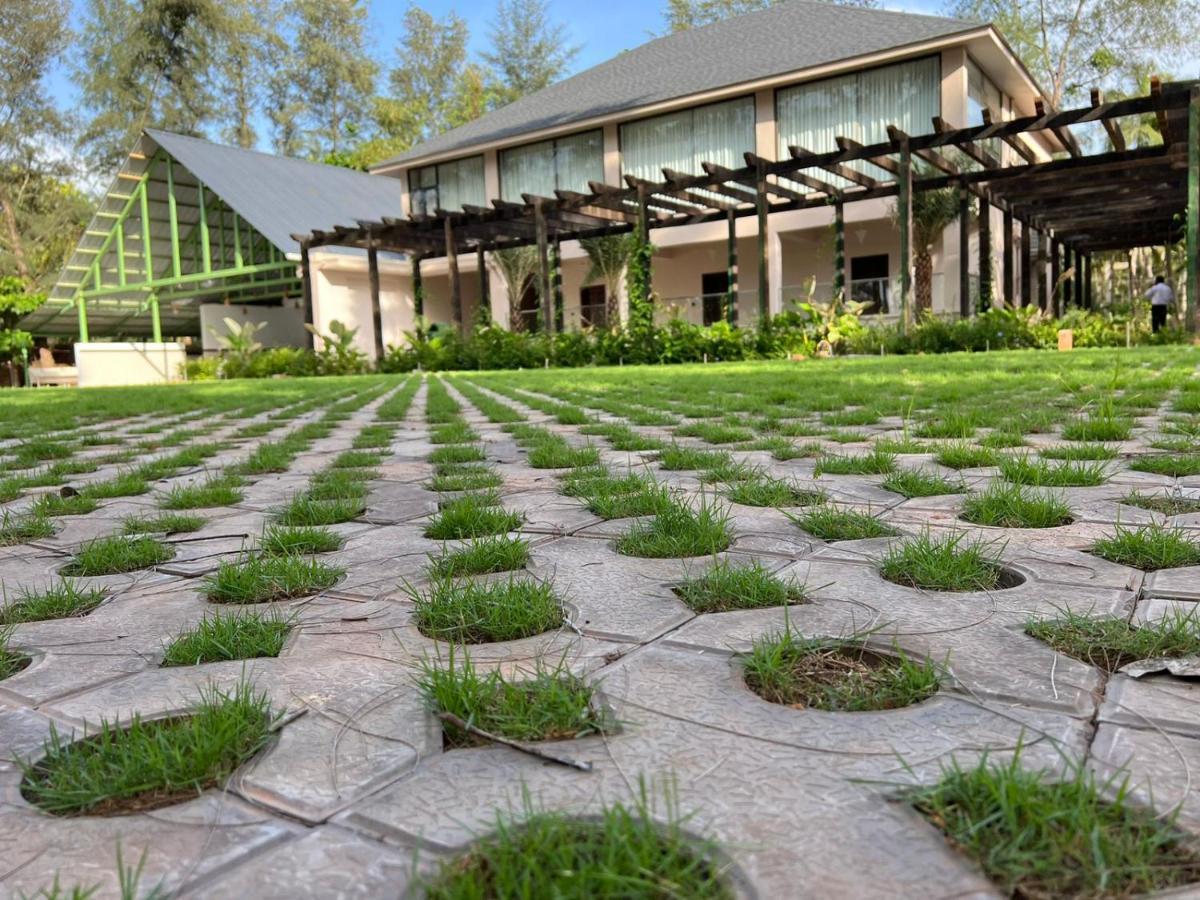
(678,530)
(457,454)
(620,497)
(1043,834)
(118,554)
(356,459)
(51,505)
(471,612)
(1149,548)
(127,484)
(64,600)
(828,523)
(941,564)
(877,462)
(900,445)
(1180,465)
(771,492)
(1079,452)
(146,765)
(686,459)
(267,579)
(1167,504)
(472,516)
(248,635)
(19,529)
(1111,643)
(1026,469)
(728,585)
(918,483)
(622,852)
(163,523)
(277,540)
(835,676)
(558,454)
(549,704)
(458,432)
(1003,440)
(220,490)
(482,556)
(466,477)
(374,437)
(952,425)
(1098,428)
(305,512)
(1013,506)
(11,661)
(965,455)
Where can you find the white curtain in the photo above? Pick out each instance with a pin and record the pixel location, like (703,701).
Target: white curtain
(720,133)
(578,159)
(461,182)
(527,170)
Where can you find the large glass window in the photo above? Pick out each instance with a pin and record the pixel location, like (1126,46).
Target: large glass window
(860,106)
(447,185)
(718,133)
(567,163)
(982,94)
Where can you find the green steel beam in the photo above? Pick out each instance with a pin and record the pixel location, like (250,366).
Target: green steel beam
(147,253)
(205,238)
(244,271)
(176,268)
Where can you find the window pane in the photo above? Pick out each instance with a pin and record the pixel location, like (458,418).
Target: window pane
(527,170)
(461,182)
(722,134)
(578,159)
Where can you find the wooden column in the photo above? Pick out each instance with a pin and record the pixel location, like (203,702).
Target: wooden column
(1007,238)
(1055,274)
(1042,272)
(545,294)
(376,308)
(1068,298)
(1192,309)
(731,292)
(418,286)
(485,287)
(964,252)
(1077,281)
(840,282)
(456,306)
(557,283)
(904,183)
(985,254)
(763,208)
(1026,265)
(307,291)
(1088,297)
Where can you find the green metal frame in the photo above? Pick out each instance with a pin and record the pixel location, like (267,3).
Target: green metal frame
(242,263)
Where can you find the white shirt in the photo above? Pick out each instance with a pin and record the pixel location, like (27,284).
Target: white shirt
(1160,295)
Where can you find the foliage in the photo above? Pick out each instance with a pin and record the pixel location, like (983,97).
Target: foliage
(684,14)
(638,281)
(15,301)
(516,266)
(339,355)
(608,257)
(527,52)
(238,341)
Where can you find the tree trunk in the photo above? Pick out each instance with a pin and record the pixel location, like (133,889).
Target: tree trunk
(16,245)
(924,267)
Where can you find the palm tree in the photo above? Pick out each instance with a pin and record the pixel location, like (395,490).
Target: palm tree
(609,256)
(932,213)
(516,266)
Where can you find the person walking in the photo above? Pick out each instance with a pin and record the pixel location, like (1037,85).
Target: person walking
(1161,297)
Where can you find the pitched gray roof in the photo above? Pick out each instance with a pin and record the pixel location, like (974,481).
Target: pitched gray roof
(281,196)
(788,37)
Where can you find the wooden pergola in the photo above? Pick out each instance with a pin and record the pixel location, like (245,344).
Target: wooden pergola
(1068,207)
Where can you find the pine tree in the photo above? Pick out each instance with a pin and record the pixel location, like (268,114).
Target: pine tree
(684,14)
(528,52)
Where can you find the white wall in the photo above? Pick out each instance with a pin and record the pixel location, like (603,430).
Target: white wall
(284,324)
(105,365)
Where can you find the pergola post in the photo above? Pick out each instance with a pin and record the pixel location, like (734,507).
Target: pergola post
(1026,265)
(840,292)
(376,309)
(1192,310)
(1042,263)
(964,251)
(762,208)
(1055,273)
(1077,282)
(155,318)
(985,254)
(418,286)
(485,287)
(544,287)
(557,283)
(731,289)
(904,185)
(456,306)
(306,288)
(1088,298)
(1009,280)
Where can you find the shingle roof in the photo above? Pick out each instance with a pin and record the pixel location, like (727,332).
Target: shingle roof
(281,196)
(788,37)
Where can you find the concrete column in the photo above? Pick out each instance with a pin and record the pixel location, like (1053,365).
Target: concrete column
(491,176)
(774,269)
(766,135)
(612,154)
(501,303)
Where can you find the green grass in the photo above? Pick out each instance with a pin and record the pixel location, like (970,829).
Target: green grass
(142,765)
(946,563)
(118,554)
(267,579)
(482,556)
(1003,440)
(965,455)
(471,612)
(356,459)
(619,497)
(1179,465)
(548,704)
(1167,504)
(1026,469)
(877,462)
(64,600)
(11,661)
(829,523)
(763,491)
(465,477)
(374,437)
(127,484)
(453,433)
(918,483)
(715,433)
(53,505)
(686,459)
(277,540)
(679,530)
(951,425)
(624,852)
(457,454)
(1110,643)
(162,523)
(1014,506)
(835,676)
(1098,428)
(727,585)
(472,516)
(1079,452)
(19,529)
(558,454)
(220,490)
(305,512)
(1045,834)
(248,635)
(340,484)
(1149,548)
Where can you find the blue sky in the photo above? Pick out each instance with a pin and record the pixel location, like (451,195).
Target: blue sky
(599,29)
